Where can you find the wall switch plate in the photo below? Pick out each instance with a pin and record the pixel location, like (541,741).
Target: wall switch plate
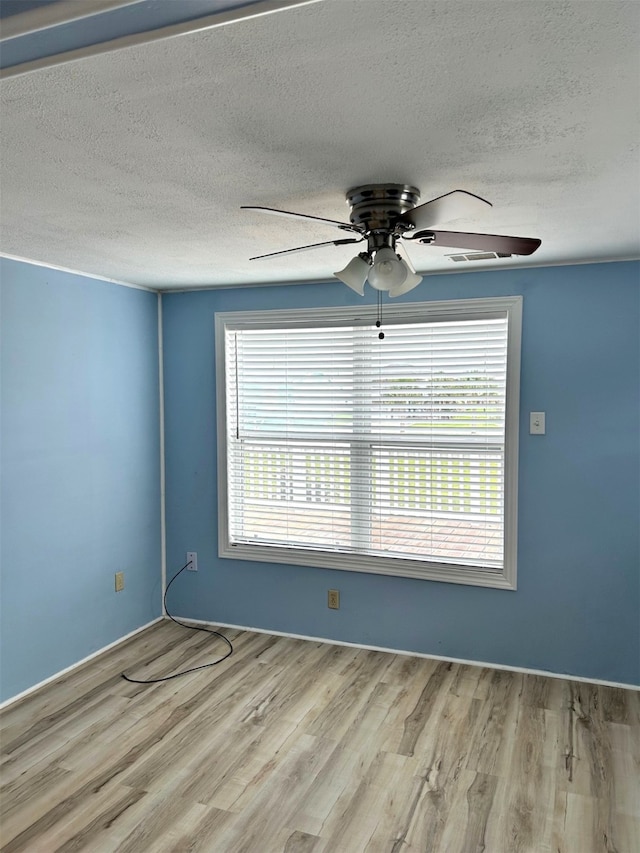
(192,558)
(333,599)
(537,424)
(119,581)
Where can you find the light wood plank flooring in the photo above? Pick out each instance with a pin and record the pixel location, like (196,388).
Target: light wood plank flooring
(301,747)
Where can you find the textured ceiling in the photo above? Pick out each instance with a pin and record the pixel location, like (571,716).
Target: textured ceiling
(133,164)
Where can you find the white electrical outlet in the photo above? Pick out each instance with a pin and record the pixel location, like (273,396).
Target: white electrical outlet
(192,559)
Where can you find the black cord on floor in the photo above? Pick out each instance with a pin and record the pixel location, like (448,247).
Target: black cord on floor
(192,628)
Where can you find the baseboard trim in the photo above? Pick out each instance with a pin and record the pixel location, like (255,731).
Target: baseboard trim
(78,664)
(563,675)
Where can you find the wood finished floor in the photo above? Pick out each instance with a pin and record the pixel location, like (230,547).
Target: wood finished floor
(301,747)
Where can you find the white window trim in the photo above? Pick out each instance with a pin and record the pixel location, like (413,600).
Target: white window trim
(450,309)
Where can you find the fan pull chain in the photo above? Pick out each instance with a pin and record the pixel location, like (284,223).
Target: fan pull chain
(379,320)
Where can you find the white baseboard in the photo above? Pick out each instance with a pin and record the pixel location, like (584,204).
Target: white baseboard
(545,673)
(79,663)
(563,675)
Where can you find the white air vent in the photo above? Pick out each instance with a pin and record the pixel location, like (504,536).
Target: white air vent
(478,256)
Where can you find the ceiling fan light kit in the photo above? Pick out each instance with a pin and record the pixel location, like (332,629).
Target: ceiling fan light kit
(386,214)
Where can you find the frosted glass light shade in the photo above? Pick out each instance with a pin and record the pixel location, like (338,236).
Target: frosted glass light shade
(412,280)
(388,271)
(355,274)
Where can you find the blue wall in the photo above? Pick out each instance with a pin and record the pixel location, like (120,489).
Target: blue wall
(80,468)
(577,607)
(80,481)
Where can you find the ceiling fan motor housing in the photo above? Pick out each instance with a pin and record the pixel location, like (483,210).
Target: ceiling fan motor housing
(378,207)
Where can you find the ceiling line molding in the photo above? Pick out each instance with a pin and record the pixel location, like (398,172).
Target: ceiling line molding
(78,272)
(209,22)
(195,288)
(54,15)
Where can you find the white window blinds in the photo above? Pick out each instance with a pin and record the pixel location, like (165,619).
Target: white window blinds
(340,443)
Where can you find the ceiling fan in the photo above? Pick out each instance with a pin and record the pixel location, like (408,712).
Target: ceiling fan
(386,214)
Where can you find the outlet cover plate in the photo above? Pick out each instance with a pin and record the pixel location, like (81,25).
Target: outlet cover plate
(192,558)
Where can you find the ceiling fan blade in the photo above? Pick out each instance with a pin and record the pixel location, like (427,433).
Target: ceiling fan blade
(453,205)
(479,242)
(310,246)
(344,226)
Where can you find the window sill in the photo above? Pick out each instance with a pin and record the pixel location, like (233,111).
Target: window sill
(432,571)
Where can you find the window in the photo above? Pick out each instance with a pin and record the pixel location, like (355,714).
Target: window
(396,456)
